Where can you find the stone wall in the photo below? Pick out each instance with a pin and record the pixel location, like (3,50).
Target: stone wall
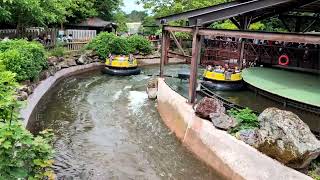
(230,157)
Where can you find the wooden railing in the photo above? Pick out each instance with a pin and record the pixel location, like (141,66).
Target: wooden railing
(75,46)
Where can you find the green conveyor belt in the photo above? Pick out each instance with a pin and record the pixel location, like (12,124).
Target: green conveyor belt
(297,86)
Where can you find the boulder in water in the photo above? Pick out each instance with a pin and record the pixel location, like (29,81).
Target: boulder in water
(209,106)
(285,137)
(152,89)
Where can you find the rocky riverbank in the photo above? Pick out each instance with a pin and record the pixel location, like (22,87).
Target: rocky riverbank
(280,134)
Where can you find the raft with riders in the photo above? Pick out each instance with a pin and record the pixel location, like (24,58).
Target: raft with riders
(222,78)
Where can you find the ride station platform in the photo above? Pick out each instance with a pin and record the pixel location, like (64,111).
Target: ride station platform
(297,86)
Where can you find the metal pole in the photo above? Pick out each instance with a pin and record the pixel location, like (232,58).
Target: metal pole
(196,48)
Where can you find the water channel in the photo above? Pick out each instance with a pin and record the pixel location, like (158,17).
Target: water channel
(106,128)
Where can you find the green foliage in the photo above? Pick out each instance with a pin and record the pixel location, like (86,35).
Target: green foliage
(246,119)
(8,87)
(137,16)
(121,20)
(58,51)
(24,58)
(108,43)
(140,44)
(149,21)
(314,169)
(22,155)
(226,24)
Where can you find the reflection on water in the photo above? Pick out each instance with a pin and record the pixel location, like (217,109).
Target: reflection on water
(106,128)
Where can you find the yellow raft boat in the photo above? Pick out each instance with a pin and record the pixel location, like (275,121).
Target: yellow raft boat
(121,66)
(219,79)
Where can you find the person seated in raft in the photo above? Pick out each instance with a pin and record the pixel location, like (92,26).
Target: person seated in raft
(131,58)
(236,70)
(228,72)
(219,69)
(209,68)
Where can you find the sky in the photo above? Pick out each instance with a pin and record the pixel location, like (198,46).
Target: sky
(130,5)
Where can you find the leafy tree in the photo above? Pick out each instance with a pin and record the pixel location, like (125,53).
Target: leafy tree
(33,12)
(137,16)
(167,7)
(121,19)
(82,9)
(151,22)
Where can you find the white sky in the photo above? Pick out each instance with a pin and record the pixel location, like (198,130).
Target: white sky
(130,5)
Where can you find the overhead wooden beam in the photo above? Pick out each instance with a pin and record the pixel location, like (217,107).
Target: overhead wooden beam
(271,36)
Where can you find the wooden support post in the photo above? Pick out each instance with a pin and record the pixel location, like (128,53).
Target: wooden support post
(177,43)
(164,50)
(196,48)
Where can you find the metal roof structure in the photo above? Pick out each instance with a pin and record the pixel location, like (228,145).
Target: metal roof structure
(256,10)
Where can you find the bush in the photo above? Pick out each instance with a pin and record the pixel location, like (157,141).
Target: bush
(22,155)
(246,119)
(24,58)
(139,44)
(58,51)
(8,87)
(102,44)
(108,43)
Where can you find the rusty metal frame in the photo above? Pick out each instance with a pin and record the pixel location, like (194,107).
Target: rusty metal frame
(199,33)
(271,36)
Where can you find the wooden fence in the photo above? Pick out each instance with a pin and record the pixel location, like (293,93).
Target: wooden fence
(82,35)
(50,37)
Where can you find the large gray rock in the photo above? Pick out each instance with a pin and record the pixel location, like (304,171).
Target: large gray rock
(152,88)
(209,106)
(71,62)
(22,96)
(285,137)
(84,59)
(223,121)
(53,61)
(44,75)
(249,136)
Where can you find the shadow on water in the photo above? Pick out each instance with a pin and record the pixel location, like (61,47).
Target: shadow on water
(106,128)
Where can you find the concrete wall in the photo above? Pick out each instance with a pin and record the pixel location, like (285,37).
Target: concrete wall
(230,157)
(46,85)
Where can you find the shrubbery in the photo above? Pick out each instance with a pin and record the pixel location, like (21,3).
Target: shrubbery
(24,58)
(8,87)
(108,43)
(246,118)
(139,44)
(22,155)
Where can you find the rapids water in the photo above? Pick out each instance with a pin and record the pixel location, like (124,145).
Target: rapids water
(106,128)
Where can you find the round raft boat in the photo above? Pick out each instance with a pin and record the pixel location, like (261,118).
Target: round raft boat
(121,66)
(220,80)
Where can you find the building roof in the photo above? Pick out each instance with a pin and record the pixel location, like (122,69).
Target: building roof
(95,22)
(256,9)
